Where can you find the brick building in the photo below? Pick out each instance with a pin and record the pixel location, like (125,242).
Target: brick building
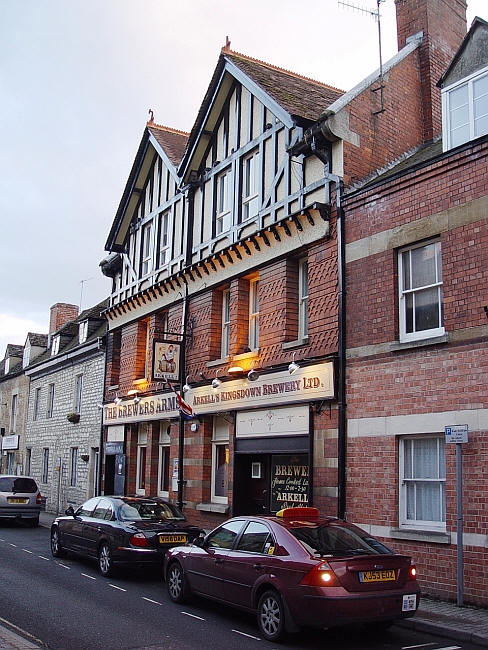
(63,420)
(297,225)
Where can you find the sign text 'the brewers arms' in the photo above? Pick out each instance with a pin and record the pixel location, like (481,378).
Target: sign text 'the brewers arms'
(307,384)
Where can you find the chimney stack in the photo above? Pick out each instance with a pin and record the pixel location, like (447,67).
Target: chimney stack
(61,313)
(443,24)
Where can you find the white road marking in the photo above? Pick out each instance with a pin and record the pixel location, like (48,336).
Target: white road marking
(87,576)
(1,539)
(44,558)
(151,601)
(116,587)
(451,647)
(26,550)
(193,616)
(422,645)
(63,565)
(14,545)
(249,636)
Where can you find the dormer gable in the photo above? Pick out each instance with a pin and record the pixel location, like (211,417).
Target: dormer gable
(464,88)
(35,345)
(13,357)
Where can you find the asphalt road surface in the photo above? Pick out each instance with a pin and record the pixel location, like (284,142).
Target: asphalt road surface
(65,604)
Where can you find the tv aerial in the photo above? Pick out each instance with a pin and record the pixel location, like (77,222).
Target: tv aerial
(375,13)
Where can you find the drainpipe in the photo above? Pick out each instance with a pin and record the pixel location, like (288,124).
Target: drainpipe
(181,432)
(341,318)
(101,454)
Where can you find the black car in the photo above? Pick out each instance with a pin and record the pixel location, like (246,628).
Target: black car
(121,531)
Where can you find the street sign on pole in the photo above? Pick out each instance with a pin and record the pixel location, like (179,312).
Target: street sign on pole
(458,434)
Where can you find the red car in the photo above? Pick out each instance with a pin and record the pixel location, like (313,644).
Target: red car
(296,569)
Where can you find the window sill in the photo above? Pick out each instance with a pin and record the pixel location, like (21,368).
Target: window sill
(435,340)
(247,355)
(221,508)
(295,344)
(218,362)
(434,537)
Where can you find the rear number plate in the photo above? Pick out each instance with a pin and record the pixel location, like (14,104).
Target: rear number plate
(10,500)
(172,539)
(409,603)
(377,576)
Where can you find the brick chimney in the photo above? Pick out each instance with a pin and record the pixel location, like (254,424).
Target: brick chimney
(443,23)
(61,313)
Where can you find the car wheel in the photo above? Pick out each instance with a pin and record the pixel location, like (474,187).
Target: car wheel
(176,583)
(105,561)
(33,523)
(56,549)
(271,615)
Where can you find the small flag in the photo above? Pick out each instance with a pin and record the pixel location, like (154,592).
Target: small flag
(183,406)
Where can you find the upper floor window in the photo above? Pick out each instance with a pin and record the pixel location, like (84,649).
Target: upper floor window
(78,393)
(222,217)
(422,482)
(55,345)
(254,314)
(13,413)
(26,356)
(465,110)
(420,291)
(6,367)
(250,186)
(37,401)
(83,331)
(146,249)
(303,298)
(163,239)
(225,339)
(50,401)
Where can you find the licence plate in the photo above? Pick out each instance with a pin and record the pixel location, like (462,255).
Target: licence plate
(409,603)
(11,500)
(377,576)
(172,539)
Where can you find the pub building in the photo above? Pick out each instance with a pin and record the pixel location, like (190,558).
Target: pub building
(223,259)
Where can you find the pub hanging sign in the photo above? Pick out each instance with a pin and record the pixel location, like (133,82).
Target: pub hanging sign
(166,360)
(289,481)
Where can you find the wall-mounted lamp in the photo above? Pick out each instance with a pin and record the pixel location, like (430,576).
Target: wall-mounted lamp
(186,385)
(216,381)
(235,370)
(100,407)
(200,374)
(117,400)
(252,375)
(85,457)
(293,367)
(137,399)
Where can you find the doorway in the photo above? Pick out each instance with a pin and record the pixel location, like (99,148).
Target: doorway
(251,475)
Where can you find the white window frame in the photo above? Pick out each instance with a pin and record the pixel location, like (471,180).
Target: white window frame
(55,345)
(78,393)
(223,202)
(250,185)
(6,367)
(141,459)
(418,524)
(13,412)
(225,332)
(446,114)
(303,298)
(50,401)
(254,314)
(418,335)
(164,238)
(83,331)
(26,355)
(146,248)
(73,473)
(220,438)
(45,465)
(164,458)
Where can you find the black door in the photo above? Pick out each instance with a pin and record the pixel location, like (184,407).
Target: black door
(251,478)
(119,478)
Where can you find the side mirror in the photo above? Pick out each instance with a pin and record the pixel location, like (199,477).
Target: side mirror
(69,511)
(199,541)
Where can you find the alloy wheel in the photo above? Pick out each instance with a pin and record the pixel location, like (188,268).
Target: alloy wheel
(105,560)
(270,616)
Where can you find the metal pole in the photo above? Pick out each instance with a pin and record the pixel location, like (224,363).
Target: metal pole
(459,495)
(181,431)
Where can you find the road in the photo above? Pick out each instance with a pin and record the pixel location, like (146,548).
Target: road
(66,605)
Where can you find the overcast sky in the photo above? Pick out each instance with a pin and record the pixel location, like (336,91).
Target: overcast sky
(77,78)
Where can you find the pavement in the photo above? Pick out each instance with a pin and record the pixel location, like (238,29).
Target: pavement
(443,618)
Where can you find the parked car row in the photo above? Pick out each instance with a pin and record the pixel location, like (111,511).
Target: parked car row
(293,569)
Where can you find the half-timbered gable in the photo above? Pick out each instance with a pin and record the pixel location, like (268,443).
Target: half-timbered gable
(149,232)
(238,151)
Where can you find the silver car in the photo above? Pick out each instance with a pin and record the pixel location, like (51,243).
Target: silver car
(19,499)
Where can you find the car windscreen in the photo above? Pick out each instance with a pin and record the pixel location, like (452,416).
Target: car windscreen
(18,484)
(149,511)
(337,541)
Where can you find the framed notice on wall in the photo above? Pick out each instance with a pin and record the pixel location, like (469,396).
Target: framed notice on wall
(166,360)
(289,481)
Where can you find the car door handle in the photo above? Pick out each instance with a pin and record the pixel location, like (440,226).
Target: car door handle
(258,566)
(218,561)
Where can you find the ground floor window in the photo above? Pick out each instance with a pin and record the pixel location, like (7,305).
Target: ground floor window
(220,460)
(28,458)
(45,465)
(422,482)
(164,459)
(141,459)
(73,479)
(11,462)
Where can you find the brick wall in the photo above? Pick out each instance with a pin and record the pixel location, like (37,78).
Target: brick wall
(61,313)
